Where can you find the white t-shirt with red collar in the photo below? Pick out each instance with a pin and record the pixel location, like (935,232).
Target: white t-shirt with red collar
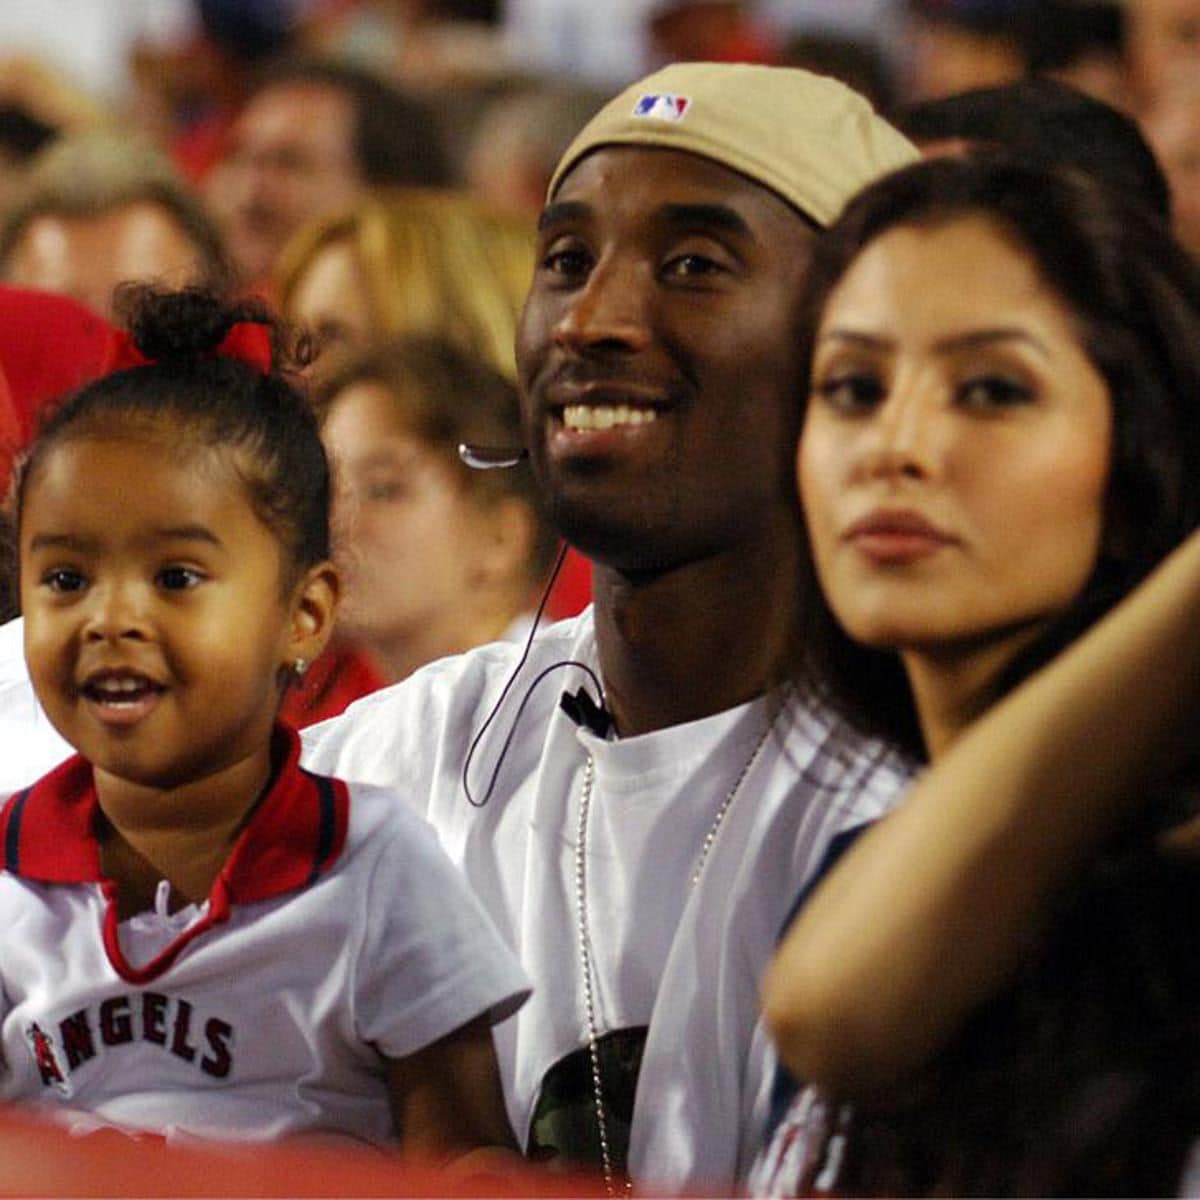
(337,933)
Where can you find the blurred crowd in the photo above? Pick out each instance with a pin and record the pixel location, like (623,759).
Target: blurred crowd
(799,374)
(375,168)
(243,120)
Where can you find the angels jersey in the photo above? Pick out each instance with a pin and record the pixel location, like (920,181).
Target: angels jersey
(336,934)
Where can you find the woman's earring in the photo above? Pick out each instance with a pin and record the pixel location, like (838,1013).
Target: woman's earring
(299,667)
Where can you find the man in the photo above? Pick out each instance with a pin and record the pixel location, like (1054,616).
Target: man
(956,45)
(310,140)
(97,210)
(1172,125)
(638,844)
(638,853)
(708,31)
(520,136)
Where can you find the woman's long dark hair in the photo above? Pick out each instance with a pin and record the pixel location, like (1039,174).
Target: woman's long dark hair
(1134,295)
(1083,1076)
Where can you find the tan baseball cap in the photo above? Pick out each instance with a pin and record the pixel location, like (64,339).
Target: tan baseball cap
(808,138)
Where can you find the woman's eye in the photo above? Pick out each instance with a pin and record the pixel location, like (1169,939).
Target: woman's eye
(993,391)
(851,392)
(178,579)
(63,580)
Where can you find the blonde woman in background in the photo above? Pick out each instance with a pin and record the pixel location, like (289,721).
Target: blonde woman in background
(412,261)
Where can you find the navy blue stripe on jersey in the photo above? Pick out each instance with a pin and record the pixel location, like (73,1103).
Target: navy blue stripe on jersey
(328,827)
(12,835)
(784,1086)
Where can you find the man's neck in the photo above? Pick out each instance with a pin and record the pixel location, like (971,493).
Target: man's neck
(682,644)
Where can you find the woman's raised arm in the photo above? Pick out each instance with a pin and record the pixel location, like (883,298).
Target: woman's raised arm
(930,912)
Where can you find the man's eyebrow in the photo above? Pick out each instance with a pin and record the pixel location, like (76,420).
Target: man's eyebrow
(696,216)
(708,216)
(562,211)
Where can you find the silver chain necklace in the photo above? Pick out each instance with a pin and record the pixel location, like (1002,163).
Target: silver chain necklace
(585,941)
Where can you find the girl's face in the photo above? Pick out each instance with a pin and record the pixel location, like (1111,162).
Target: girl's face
(408,528)
(955,455)
(155,620)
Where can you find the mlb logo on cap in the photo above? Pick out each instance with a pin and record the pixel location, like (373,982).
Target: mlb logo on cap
(661,107)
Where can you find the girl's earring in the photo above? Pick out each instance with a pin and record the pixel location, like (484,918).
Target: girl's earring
(299,667)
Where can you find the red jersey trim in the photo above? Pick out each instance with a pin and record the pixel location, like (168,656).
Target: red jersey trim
(294,835)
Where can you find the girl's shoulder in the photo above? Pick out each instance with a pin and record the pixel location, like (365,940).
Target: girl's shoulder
(378,812)
(386,835)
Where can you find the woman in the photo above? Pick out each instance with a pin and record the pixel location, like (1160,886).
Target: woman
(438,557)
(999,444)
(412,261)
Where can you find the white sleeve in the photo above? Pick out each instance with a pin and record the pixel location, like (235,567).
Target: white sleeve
(392,738)
(367,743)
(29,745)
(431,959)
(414,736)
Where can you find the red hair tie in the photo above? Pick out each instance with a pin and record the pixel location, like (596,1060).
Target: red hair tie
(247,341)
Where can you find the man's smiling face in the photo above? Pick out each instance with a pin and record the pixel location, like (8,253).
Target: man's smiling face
(659,358)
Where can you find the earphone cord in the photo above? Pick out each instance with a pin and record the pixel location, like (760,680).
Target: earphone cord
(567,662)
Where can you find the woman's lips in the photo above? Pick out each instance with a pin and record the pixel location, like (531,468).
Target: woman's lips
(896,538)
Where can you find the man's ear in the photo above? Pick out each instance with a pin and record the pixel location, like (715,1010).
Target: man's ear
(314,609)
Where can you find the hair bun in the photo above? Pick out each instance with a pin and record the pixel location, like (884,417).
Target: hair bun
(168,325)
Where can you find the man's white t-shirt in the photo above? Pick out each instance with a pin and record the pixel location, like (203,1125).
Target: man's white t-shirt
(683,959)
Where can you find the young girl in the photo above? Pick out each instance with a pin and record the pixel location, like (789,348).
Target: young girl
(999,444)
(199,937)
